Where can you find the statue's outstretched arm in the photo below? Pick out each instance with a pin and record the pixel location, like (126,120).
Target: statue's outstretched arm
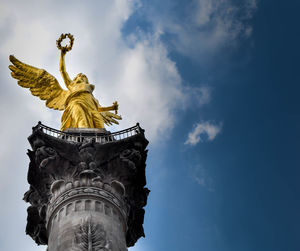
(62,69)
(114,107)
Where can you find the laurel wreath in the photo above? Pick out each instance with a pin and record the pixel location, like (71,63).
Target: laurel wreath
(61,38)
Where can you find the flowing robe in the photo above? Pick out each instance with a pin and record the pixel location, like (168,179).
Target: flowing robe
(81,108)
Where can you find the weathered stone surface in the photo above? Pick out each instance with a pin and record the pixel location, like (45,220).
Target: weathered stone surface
(86,195)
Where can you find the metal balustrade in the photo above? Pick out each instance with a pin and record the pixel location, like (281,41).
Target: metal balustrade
(87,136)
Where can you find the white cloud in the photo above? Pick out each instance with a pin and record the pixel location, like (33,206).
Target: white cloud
(147,86)
(202,129)
(208,26)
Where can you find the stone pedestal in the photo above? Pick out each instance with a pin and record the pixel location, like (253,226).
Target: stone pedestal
(86,194)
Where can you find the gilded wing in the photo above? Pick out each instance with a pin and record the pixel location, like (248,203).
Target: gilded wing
(40,83)
(109,118)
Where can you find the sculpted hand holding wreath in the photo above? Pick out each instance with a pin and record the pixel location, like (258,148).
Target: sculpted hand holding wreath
(81,108)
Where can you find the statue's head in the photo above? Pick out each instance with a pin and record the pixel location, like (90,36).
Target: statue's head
(81,78)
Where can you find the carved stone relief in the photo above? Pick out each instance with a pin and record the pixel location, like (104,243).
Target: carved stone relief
(90,237)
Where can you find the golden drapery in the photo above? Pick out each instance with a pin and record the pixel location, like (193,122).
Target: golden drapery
(81,112)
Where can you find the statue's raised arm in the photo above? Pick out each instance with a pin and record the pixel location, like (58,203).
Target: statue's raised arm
(64,50)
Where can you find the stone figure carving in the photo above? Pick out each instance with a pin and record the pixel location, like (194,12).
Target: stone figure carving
(81,108)
(131,156)
(44,155)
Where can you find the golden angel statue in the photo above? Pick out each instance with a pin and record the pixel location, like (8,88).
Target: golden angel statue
(81,108)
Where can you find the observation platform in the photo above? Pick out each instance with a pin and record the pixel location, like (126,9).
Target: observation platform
(81,135)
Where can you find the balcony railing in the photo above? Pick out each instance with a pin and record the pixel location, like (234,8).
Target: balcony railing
(87,136)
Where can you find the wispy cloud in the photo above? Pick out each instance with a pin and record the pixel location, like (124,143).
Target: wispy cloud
(207,25)
(201,177)
(197,96)
(202,130)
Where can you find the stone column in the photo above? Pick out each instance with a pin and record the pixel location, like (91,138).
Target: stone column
(86,195)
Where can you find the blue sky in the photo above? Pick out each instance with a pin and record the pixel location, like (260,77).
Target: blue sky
(215,84)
